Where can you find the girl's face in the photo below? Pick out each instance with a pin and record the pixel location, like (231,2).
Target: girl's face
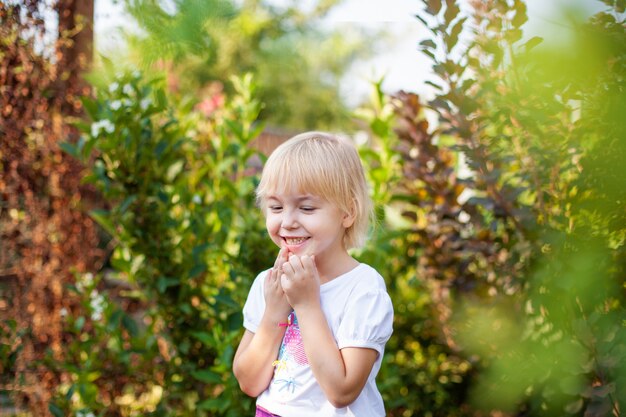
(306,224)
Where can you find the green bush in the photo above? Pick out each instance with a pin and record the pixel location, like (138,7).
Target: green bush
(523,256)
(187,240)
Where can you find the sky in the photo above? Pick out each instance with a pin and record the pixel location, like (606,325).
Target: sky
(402,65)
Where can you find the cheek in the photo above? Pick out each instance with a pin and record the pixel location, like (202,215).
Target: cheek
(272,231)
(272,224)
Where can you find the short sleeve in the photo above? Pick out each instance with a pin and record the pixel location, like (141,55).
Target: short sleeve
(367,322)
(255,304)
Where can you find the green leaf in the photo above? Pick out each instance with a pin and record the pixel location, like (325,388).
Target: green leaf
(227,355)
(174,169)
(424,22)
(103,219)
(532,42)
(91,106)
(437,86)
(380,128)
(428,43)
(206,338)
(234,320)
(114,319)
(433,6)
(452,11)
(256,131)
(235,128)
(513,35)
(160,148)
(226,300)
(79,323)
(520,14)
(70,392)
(197,270)
(456,30)
(126,203)
(211,404)
(55,410)
(130,325)
(164,283)
(207,376)
(199,250)
(70,149)
(429,53)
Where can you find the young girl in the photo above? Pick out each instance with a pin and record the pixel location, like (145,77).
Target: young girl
(318,321)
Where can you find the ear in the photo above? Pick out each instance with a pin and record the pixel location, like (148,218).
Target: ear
(350,216)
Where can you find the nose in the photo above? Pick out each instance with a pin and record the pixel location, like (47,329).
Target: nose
(289,220)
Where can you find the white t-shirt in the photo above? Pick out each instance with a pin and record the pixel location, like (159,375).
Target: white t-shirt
(359,313)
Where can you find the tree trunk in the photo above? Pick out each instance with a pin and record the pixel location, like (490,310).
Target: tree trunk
(74,51)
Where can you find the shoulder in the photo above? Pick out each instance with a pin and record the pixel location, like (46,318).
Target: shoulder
(258,283)
(368,278)
(368,286)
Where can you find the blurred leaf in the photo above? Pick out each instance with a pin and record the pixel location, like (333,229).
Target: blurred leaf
(174,170)
(103,219)
(204,337)
(433,6)
(456,30)
(70,149)
(428,43)
(79,323)
(451,12)
(91,106)
(520,13)
(163,283)
(130,325)
(55,410)
(197,270)
(212,404)
(532,42)
(207,376)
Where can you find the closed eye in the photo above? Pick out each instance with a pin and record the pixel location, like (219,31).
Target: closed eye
(275,209)
(307,209)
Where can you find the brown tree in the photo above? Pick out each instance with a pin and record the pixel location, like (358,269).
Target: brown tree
(44,231)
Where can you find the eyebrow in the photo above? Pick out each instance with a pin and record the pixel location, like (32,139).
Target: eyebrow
(298,199)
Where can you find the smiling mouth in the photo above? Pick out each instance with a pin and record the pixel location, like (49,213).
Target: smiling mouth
(294,240)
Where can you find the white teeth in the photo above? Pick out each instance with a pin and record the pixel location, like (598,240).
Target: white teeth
(294,240)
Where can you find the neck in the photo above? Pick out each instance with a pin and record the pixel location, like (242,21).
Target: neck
(331,269)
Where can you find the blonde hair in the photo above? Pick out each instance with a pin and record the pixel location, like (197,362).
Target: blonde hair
(326,166)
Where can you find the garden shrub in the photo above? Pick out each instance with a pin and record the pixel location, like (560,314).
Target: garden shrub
(187,239)
(526,250)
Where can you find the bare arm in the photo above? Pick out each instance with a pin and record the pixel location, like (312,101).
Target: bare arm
(253,362)
(255,355)
(342,374)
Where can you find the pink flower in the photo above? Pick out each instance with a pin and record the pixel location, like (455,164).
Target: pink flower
(209,105)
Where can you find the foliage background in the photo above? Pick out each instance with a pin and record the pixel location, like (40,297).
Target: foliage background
(500,229)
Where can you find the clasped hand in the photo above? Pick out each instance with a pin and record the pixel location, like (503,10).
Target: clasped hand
(292,283)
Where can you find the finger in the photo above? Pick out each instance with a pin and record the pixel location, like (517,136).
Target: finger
(277,273)
(288,270)
(308,263)
(285,283)
(296,264)
(271,279)
(284,256)
(279,258)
